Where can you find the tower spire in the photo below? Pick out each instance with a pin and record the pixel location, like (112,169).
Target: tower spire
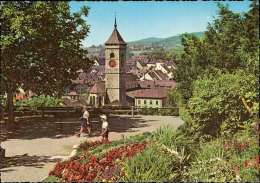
(115,25)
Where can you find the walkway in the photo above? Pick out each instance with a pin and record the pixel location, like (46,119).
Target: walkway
(34,147)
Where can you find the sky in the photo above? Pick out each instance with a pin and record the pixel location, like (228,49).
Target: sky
(139,20)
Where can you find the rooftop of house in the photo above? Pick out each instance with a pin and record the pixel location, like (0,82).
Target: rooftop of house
(161,75)
(72,93)
(166,83)
(153,75)
(155,93)
(166,68)
(157,83)
(146,84)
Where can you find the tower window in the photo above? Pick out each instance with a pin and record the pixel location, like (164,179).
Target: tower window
(112,55)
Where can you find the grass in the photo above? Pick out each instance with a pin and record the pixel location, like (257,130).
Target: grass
(51,179)
(172,156)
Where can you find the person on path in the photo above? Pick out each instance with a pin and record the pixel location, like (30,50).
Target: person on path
(105,129)
(84,122)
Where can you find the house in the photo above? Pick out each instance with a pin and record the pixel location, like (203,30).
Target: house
(97,94)
(140,65)
(150,98)
(73,95)
(154,75)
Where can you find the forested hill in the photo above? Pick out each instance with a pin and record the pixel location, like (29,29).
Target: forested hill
(173,41)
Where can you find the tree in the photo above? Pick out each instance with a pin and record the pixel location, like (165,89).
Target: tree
(218,74)
(41,47)
(231,42)
(222,102)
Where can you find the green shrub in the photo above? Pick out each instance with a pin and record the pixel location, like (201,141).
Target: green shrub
(227,159)
(164,135)
(216,106)
(175,98)
(40,101)
(211,165)
(149,166)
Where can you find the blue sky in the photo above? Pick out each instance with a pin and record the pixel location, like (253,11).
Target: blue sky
(138,20)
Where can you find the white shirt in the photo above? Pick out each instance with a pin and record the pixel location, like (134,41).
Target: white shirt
(86,115)
(105,124)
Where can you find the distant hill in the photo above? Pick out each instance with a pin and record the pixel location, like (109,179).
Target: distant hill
(170,42)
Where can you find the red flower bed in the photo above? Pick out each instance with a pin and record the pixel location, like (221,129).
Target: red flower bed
(104,168)
(239,146)
(252,163)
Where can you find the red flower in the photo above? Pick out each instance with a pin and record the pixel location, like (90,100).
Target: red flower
(246,163)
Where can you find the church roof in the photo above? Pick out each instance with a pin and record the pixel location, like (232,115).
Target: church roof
(115,37)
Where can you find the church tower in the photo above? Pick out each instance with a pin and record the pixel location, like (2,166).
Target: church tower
(115,56)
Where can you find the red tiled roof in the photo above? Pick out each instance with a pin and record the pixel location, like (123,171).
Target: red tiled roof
(149,93)
(72,93)
(146,84)
(161,75)
(166,68)
(115,38)
(166,83)
(153,76)
(157,83)
(131,85)
(98,88)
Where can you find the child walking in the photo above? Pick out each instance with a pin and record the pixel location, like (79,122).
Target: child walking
(84,122)
(105,129)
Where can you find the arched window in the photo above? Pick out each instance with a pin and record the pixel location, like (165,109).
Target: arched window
(112,55)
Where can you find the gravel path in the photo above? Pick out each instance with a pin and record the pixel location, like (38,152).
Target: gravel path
(34,147)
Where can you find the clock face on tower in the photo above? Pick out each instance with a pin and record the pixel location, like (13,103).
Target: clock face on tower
(112,63)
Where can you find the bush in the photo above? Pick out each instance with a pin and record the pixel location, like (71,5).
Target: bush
(227,159)
(149,166)
(40,101)
(216,106)
(175,98)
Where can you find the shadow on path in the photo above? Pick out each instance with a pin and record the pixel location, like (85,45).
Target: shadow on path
(25,160)
(33,128)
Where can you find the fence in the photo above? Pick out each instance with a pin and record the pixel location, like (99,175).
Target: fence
(94,112)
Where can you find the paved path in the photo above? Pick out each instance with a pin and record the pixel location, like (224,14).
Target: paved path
(34,147)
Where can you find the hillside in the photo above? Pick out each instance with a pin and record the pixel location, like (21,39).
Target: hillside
(173,41)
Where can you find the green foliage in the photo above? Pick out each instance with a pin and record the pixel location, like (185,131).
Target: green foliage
(164,135)
(41,45)
(173,42)
(210,165)
(51,179)
(231,42)
(232,159)
(175,98)
(216,106)
(149,166)
(40,101)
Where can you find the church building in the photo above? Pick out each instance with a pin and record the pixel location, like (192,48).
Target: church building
(115,58)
